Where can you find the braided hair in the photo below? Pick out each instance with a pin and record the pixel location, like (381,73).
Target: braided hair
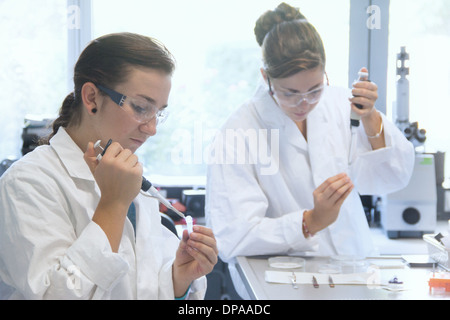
(107,61)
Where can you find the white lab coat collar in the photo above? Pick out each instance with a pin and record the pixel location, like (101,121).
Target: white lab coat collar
(268,110)
(275,118)
(71,155)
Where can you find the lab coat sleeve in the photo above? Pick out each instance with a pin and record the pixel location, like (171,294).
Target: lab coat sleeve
(236,209)
(385,170)
(198,289)
(42,256)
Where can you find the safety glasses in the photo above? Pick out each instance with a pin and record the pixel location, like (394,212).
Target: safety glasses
(139,109)
(292,100)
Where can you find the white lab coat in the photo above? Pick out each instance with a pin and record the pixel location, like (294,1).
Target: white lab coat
(256,207)
(51,249)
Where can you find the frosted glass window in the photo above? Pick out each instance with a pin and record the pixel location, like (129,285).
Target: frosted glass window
(33,64)
(218,62)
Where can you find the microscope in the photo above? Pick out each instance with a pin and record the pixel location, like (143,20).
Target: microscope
(412,212)
(410,130)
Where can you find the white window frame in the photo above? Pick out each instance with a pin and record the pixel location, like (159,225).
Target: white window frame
(79,22)
(369,40)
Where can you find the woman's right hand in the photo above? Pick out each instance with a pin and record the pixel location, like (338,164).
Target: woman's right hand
(119,177)
(118,174)
(328,199)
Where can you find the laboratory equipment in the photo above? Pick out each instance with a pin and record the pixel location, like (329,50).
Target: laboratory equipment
(286,262)
(354,118)
(411,212)
(350,264)
(315,283)
(437,251)
(294,281)
(189,224)
(328,268)
(331,282)
(194,201)
(97,145)
(419,261)
(411,130)
(35,128)
(440,283)
(147,188)
(443,191)
(5,165)
(395,284)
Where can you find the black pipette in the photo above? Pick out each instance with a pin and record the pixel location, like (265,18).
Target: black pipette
(354,119)
(146,185)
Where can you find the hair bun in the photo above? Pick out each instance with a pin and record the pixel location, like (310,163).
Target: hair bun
(270,19)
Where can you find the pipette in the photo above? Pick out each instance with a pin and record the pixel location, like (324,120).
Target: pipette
(146,185)
(354,118)
(150,189)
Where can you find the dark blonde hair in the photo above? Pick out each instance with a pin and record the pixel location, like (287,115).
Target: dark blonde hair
(290,44)
(106,61)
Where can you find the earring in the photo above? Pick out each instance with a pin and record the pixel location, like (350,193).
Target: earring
(94,111)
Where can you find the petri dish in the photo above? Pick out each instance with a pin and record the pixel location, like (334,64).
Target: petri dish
(330,269)
(350,264)
(349,260)
(286,262)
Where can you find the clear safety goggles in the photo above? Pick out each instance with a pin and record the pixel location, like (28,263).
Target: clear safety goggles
(138,108)
(292,100)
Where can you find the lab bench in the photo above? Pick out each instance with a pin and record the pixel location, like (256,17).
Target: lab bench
(256,274)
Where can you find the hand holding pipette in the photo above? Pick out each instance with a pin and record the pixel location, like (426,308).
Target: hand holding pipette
(197,252)
(119,178)
(146,185)
(365,94)
(118,174)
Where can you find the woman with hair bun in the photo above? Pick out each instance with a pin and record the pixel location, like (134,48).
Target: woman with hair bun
(65,232)
(310,204)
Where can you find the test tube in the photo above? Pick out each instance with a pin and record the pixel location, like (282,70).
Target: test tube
(189,224)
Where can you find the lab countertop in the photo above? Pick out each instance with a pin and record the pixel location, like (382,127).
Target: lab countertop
(387,265)
(415,282)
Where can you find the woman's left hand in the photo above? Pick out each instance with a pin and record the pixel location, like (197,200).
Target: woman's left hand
(196,256)
(365,94)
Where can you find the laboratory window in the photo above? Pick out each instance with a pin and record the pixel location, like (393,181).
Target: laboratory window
(218,62)
(33,64)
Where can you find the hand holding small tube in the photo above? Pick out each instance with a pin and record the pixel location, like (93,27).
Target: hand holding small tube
(196,256)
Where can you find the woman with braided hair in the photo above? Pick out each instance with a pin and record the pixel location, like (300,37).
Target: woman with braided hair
(64,226)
